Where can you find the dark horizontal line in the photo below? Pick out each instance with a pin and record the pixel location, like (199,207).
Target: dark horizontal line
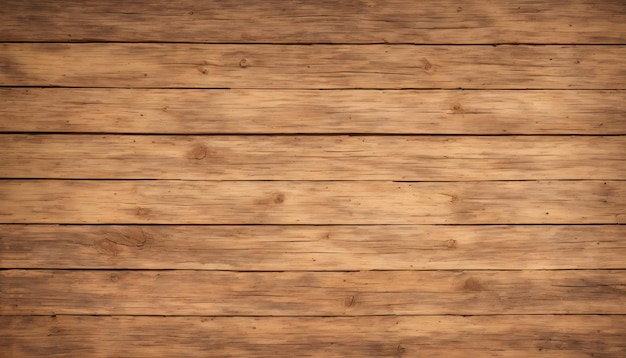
(424,89)
(311,134)
(299,271)
(272,43)
(304,225)
(311,180)
(320,89)
(318,316)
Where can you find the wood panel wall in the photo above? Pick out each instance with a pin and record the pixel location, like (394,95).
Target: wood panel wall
(312,178)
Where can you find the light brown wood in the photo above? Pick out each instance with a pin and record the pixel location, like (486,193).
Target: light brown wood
(312,111)
(279,248)
(436,22)
(320,157)
(312,293)
(458,337)
(319,66)
(310,202)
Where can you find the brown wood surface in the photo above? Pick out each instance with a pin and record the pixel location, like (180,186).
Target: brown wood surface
(317,157)
(278,248)
(383,178)
(404,336)
(319,66)
(310,202)
(312,111)
(274,21)
(216,293)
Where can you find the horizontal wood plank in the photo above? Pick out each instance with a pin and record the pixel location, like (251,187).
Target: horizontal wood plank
(420,158)
(443,21)
(449,336)
(310,202)
(319,66)
(312,293)
(186,111)
(280,248)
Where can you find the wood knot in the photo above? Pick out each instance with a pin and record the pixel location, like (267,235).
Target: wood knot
(203,67)
(350,301)
(115,277)
(130,237)
(472,284)
(199,152)
(426,65)
(106,247)
(279,198)
(243,63)
(459,9)
(400,350)
(142,211)
(451,244)
(457,107)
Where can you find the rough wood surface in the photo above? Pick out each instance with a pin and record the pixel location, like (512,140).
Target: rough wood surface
(312,111)
(449,336)
(216,293)
(319,66)
(436,22)
(280,248)
(310,202)
(415,158)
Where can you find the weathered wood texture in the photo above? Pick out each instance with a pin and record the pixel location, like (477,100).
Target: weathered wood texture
(216,293)
(278,248)
(396,21)
(319,66)
(318,157)
(312,111)
(310,202)
(457,337)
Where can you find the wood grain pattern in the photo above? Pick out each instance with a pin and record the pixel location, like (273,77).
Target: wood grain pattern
(310,202)
(450,336)
(415,158)
(280,248)
(312,111)
(319,66)
(443,21)
(214,293)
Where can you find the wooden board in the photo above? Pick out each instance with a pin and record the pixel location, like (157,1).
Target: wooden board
(307,202)
(319,66)
(457,337)
(312,111)
(214,293)
(443,21)
(415,158)
(280,248)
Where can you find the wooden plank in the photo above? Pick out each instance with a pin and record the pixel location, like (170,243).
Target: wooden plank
(311,111)
(443,21)
(449,336)
(415,158)
(319,66)
(312,293)
(310,202)
(283,248)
